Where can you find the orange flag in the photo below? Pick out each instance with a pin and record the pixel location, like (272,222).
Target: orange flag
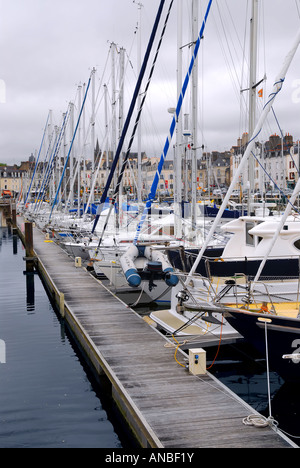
(260,93)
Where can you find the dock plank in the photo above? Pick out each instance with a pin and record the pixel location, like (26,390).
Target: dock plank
(164,405)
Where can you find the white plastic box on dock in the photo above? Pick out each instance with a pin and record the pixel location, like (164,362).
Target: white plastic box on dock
(197,361)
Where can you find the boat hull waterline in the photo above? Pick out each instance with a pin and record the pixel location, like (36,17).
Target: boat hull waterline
(273,336)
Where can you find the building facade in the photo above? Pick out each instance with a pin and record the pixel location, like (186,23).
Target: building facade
(11,180)
(275,166)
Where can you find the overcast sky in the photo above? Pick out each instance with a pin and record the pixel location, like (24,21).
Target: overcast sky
(48,48)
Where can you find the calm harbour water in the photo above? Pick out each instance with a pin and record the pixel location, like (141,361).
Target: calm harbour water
(47,397)
(244,372)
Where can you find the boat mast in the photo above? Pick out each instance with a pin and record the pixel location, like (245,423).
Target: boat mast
(120,128)
(83,152)
(93,141)
(194,116)
(106,128)
(114,102)
(139,64)
(71,165)
(252,93)
(179,134)
(79,154)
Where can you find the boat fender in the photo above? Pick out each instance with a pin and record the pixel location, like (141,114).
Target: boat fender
(171,280)
(127,263)
(158,256)
(130,271)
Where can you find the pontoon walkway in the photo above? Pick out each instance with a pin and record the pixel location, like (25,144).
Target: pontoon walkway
(163,404)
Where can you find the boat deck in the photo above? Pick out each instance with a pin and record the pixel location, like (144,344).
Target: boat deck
(162,403)
(191,336)
(282,309)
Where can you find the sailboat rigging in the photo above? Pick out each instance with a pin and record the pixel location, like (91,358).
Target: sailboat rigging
(135,251)
(250,316)
(70,149)
(153,189)
(277,86)
(125,160)
(129,115)
(37,161)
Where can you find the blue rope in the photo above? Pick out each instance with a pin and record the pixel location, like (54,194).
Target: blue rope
(273,95)
(153,189)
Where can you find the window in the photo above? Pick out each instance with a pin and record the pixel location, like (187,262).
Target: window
(249,237)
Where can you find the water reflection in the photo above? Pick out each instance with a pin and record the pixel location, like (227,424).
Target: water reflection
(47,396)
(3,235)
(30,289)
(286,409)
(248,379)
(15,244)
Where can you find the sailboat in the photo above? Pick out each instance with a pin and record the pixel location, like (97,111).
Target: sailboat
(152,258)
(272,327)
(249,237)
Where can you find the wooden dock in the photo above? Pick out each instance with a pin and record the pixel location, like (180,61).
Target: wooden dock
(7,211)
(163,405)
